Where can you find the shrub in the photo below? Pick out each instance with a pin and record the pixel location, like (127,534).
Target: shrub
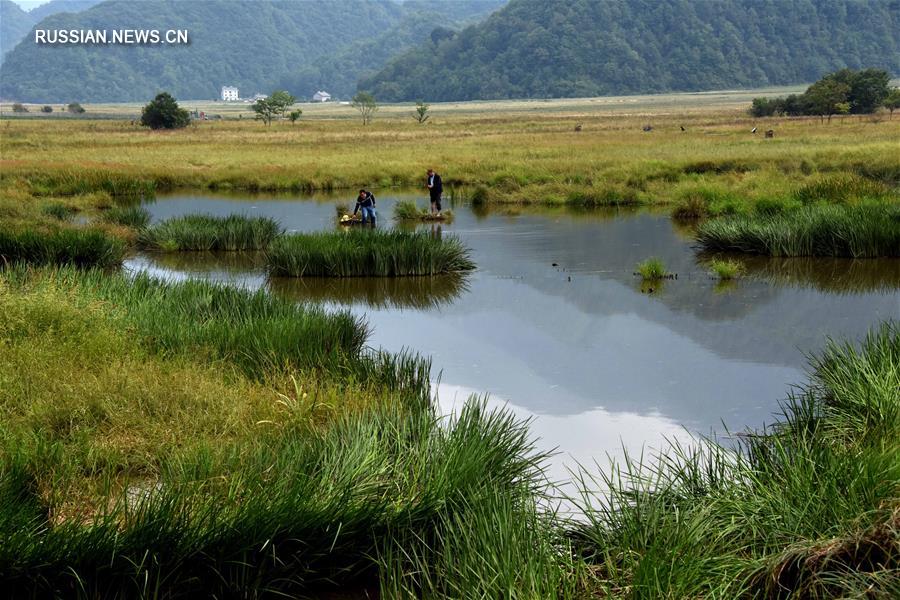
(163,113)
(19,107)
(46,109)
(75,108)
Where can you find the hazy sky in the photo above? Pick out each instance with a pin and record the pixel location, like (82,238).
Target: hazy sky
(29,4)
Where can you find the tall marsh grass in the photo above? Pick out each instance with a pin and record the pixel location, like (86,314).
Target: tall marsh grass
(371,253)
(136,217)
(61,246)
(255,331)
(209,233)
(806,508)
(858,231)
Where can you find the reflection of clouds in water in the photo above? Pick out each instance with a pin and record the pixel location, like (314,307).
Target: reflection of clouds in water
(145,264)
(591,439)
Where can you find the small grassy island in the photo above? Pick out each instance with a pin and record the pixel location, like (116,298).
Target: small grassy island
(366,253)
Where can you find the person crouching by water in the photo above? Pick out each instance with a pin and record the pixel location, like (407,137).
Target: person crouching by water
(435,189)
(366,202)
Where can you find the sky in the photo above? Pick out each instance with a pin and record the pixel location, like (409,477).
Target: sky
(29,4)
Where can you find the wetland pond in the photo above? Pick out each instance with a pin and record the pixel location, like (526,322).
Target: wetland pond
(555,325)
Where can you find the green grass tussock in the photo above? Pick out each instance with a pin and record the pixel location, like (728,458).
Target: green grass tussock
(61,246)
(406,210)
(842,189)
(857,231)
(205,233)
(807,508)
(136,217)
(651,269)
(726,269)
(58,211)
(370,253)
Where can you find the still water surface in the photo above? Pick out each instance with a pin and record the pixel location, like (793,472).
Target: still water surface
(555,325)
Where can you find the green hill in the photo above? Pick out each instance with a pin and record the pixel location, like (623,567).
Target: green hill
(16,23)
(256,45)
(556,48)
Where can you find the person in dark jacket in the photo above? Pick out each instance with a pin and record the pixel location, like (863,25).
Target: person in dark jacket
(365,202)
(435,189)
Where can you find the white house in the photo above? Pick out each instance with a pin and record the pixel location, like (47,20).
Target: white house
(229,93)
(321,96)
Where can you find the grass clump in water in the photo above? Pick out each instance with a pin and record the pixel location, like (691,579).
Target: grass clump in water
(651,269)
(726,269)
(61,246)
(860,231)
(205,232)
(368,253)
(136,217)
(406,210)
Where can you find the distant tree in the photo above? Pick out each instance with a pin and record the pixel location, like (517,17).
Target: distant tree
(281,101)
(294,115)
(75,108)
(19,107)
(365,103)
(266,110)
(825,95)
(868,89)
(163,112)
(421,112)
(46,109)
(892,101)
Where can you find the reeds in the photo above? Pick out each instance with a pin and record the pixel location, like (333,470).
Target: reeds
(368,253)
(61,246)
(209,233)
(805,508)
(858,231)
(134,216)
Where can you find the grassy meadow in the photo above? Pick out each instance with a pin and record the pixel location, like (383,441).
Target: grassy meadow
(180,439)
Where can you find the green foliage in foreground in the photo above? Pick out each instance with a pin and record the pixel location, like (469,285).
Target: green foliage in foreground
(205,232)
(806,509)
(865,230)
(367,253)
(63,246)
(295,510)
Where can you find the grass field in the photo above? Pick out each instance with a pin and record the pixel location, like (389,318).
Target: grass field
(700,157)
(168,440)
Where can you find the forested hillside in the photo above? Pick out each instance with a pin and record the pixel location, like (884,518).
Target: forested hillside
(560,48)
(339,73)
(15,23)
(256,45)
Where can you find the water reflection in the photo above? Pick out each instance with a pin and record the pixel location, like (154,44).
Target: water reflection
(421,293)
(555,320)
